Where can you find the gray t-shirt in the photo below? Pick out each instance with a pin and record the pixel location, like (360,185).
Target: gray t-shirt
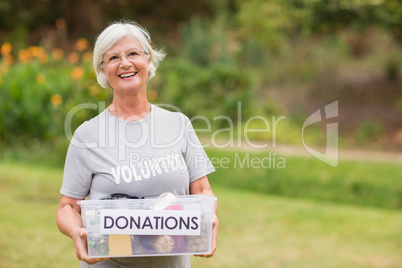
(145,158)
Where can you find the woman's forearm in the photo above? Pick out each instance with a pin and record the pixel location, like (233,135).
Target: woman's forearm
(68,216)
(202,186)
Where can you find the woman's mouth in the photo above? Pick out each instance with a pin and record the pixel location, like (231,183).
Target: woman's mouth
(127,75)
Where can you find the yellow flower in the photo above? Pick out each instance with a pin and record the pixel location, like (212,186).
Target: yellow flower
(56,100)
(152,94)
(24,55)
(81,44)
(57,53)
(87,57)
(74,57)
(40,79)
(36,51)
(77,73)
(6,48)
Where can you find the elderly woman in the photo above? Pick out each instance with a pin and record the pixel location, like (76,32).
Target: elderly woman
(108,154)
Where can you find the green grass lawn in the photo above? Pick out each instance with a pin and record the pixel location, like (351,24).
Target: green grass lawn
(257,229)
(351,182)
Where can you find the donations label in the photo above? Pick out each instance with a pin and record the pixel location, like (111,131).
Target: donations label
(150,222)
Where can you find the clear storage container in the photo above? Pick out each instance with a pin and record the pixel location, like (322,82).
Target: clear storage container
(179,225)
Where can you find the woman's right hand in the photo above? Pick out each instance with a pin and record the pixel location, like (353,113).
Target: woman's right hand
(80,244)
(69,222)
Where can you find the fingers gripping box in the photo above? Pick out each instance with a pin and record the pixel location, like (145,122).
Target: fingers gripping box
(179,225)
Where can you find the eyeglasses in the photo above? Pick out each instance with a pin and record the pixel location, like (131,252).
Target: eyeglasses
(132,54)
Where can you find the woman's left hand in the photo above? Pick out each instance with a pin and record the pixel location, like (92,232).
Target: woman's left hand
(215,228)
(202,186)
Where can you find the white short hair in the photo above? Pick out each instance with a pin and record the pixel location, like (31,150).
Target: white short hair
(113,34)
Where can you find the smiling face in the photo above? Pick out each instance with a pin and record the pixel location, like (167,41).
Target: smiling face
(126,74)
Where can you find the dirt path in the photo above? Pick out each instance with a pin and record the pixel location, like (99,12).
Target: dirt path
(363,155)
(294,150)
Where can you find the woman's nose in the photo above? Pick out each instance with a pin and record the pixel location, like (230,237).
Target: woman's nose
(124,61)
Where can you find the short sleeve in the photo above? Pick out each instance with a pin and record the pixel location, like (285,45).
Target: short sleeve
(198,163)
(77,176)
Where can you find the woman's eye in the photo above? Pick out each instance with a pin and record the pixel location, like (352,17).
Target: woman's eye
(132,54)
(113,58)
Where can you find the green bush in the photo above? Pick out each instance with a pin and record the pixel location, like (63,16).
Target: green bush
(207,77)
(207,91)
(369,131)
(38,90)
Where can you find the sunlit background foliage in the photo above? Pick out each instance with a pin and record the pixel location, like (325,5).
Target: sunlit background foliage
(272,58)
(288,57)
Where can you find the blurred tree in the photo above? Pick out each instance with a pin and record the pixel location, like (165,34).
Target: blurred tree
(329,17)
(270,23)
(83,16)
(29,14)
(207,43)
(332,16)
(393,18)
(88,17)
